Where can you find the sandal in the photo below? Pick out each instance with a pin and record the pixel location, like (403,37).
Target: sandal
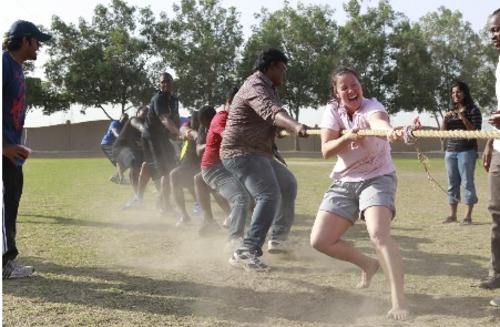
(466,221)
(449,219)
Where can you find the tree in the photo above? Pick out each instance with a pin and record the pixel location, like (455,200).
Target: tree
(457,54)
(411,76)
(42,95)
(306,35)
(201,44)
(105,62)
(380,45)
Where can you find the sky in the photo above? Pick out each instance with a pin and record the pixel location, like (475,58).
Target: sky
(40,12)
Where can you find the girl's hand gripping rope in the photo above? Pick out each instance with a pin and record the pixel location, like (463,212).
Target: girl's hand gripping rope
(407,131)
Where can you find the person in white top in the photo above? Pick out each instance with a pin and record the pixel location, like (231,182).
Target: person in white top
(491,163)
(364,186)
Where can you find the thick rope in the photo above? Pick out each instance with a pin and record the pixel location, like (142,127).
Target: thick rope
(458,134)
(412,132)
(424,162)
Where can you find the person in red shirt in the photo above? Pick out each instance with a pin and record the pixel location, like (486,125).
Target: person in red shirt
(222,181)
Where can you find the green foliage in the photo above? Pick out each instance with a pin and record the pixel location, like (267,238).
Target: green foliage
(458,53)
(202,45)
(388,53)
(104,62)
(115,58)
(411,75)
(43,95)
(307,36)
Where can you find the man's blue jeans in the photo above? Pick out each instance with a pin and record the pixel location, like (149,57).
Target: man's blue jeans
(274,189)
(461,166)
(223,181)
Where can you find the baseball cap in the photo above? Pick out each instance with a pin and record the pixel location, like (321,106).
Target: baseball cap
(22,28)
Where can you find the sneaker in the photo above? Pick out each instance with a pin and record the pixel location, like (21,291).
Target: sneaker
(495,302)
(13,270)
(466,222)
(280,246)
(226,222)
(448,220)
(233,244)
(247,261)
(197,208)
(135,203)
(183,220)
(115,179)
(489,282)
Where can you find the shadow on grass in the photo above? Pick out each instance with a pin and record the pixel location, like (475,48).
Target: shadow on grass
(58,220)
(416,262)
(115,290)
(111,289)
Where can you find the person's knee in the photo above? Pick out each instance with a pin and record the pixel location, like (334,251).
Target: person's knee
(268,197)
(175,177)
(241,199)
(199,183)
(380,239)
(320,243)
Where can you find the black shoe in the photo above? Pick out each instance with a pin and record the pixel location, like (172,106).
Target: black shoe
(489,282)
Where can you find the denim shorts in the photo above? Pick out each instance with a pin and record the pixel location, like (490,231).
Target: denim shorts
(350,199)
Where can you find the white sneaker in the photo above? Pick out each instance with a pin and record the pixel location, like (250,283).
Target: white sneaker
(226,222)
(280,246)
(134,203)
(248,261)
(13,270)
(495,302)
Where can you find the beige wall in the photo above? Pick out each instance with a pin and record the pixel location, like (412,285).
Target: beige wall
(86,137)
(83,137)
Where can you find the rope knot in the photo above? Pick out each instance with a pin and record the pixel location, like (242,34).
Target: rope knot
(407,131)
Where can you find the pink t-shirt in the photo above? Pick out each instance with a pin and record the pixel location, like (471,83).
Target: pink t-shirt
(369,157)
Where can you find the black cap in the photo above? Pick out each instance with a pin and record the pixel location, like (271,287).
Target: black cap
(22,28)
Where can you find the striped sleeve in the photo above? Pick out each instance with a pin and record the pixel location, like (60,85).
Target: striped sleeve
(475,117)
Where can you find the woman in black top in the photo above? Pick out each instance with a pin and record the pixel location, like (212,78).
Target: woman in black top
(461,154)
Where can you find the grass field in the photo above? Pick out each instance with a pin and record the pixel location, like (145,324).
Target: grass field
(100,266)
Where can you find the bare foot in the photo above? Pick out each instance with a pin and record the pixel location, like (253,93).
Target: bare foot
(366,276)
(398,314)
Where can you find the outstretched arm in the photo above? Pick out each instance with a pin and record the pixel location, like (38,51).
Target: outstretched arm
(282,120)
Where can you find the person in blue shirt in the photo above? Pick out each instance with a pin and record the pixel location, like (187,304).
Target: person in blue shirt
(21,43)
(107,142)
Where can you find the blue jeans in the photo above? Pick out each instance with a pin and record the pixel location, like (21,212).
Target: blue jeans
(220,179)
(494,209)
(461,167)
(274,189)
